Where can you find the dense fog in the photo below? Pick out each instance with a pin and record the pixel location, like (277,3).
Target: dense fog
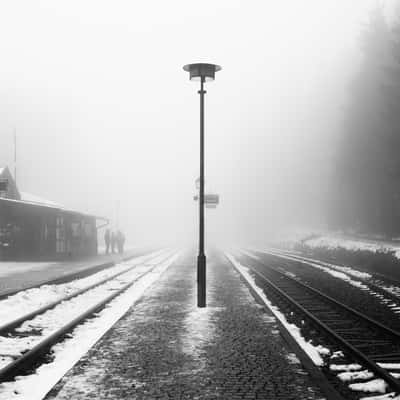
(107,122)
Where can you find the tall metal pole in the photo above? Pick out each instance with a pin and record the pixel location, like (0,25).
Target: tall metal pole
(201,259)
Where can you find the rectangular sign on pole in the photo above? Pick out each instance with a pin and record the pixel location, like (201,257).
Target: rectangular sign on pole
(211,199)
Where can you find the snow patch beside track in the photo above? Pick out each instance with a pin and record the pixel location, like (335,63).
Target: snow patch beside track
(314,352)
(83,337)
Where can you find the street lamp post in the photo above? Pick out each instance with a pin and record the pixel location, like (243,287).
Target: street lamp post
(203,73)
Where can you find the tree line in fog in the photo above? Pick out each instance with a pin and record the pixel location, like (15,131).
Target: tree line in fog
(366,193)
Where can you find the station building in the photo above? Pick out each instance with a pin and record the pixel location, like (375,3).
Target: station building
(32,228)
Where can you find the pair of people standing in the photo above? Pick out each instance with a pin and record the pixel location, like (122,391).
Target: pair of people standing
(113,241)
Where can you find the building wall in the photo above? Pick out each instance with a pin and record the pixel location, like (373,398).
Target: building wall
(34,232)
(7,182)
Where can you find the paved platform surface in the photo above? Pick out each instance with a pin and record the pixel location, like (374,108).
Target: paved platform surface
(19,275)
(167,348)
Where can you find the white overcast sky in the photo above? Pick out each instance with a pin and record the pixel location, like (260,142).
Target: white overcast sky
(104,112)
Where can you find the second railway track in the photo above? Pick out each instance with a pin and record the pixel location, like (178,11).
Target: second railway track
(374,278)
(345,284)
(353,337)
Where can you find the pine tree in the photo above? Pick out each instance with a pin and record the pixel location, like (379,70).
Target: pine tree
(361,156)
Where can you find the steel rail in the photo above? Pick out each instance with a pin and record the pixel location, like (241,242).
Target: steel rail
(9,326)
(391,381)
(323,262)
(305,260)
(372,321)
(72,275)
(25,362)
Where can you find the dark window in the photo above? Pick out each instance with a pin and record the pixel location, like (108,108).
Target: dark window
(3,187)
(60,235)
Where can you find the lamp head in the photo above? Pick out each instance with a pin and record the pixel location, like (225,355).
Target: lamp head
(201,70)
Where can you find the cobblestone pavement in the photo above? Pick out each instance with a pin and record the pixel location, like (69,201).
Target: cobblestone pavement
(167,348)
(29,274)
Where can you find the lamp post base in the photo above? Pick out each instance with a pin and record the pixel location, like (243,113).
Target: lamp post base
(201,280)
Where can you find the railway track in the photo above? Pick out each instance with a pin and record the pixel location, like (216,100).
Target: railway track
(377,298)
(31,336)
(12,324)
(358,338)
(378,278)
(70,276)
(374,280)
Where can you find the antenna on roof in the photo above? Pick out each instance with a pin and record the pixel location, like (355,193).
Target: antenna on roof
(15,155)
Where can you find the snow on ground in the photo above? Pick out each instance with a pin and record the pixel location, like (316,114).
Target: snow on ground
(331,271)
(13,267)
(331,240)
(29,300)
(352,376)
(52,320)
(345,367)
(292,358)
(8,268)
(334,271)
(347,270)
(199,327)
(390,365)
(349,372)
(387,396)
(314,352)
(68,352)
(199,330)
(337,354)
(352,370)
(375,385)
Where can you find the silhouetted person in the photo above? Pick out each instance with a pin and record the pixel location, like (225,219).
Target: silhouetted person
(120,241)
(107,240)
(113,240)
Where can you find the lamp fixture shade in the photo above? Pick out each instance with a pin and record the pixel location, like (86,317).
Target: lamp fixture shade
(201,70)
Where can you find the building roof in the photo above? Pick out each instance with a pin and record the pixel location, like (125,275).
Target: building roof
(28,199)
(52,206)
(31,198)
